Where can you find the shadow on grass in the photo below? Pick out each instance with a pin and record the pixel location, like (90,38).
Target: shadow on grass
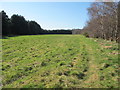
(7,37)
(4,38)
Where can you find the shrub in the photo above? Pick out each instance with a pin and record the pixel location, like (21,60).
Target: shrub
(86,34)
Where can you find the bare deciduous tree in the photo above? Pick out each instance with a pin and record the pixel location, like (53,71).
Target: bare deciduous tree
(103,20)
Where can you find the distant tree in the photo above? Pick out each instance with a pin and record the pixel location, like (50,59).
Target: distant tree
(5,24)
(19,25)
(62,31)
(76,31)
(34,28)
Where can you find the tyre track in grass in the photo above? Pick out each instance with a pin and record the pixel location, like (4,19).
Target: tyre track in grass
(92,80)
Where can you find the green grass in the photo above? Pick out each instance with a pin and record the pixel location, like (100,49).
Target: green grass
(59,61)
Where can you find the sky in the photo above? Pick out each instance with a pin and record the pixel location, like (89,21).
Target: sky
(50,15)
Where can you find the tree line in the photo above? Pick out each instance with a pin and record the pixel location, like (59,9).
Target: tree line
(18,25)
(104,18)
(60,31)
(103,21)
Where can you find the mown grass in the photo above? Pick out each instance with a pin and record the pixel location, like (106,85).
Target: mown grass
(59,61)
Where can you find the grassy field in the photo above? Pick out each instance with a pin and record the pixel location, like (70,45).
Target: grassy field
(59,61)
